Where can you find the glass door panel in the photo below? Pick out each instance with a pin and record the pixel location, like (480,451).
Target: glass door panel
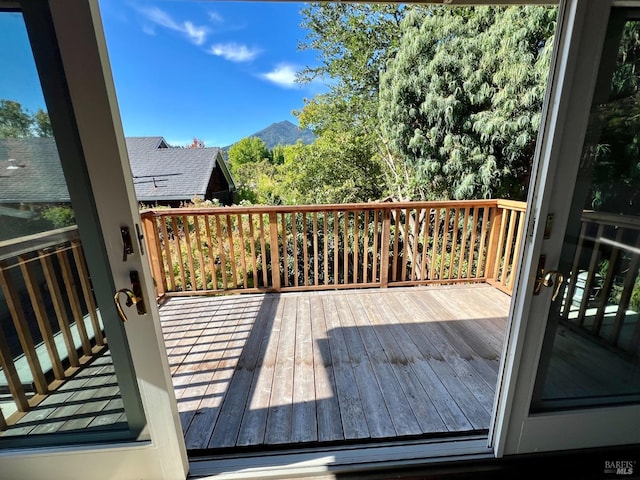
(58,383)
(592,344)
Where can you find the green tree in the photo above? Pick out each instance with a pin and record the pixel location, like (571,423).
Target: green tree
(354,43)
(15,122)
(42,124)
(460,102)
(336,168)
(246,151)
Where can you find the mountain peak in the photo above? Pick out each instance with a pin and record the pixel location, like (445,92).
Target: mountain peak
(283,133)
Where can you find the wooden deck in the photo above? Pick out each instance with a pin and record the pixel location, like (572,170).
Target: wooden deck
(306,368)
(90,400)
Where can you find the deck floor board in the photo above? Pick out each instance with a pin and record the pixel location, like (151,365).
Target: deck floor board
(308,368)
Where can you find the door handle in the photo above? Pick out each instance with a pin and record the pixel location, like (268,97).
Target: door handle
(547,280)
(133,297)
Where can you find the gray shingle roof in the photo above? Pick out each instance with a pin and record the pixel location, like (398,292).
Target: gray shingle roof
(160,172)
(170,173)
(39,176)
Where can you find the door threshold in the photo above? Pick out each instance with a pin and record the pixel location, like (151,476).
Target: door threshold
(330,462)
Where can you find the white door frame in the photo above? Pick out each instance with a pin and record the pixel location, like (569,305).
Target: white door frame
(574,70)
(160,451)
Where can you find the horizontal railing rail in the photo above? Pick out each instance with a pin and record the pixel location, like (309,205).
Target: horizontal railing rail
(50,327)
(602,296)
(196,251)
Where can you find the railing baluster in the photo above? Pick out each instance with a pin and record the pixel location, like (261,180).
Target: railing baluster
(253,250)
(481,246)
(454,243)
(365,243)
(22,329)
(508,249)
(221,254)
(167,249)
(315,248)
(497,253)
(35,295)
(74,301)
(263,251)
(434,248)
(475,212)
(396,246)
(574,272)
(325,222)
(294,239)
(176,238)
(414,256)
(356,244)
(516,251)
(59,307)
(87,291)
(590,274)
(243,249)
(154,251)
(305,246)
(426,215)
(203,266)
(13,379)
(375,255)
(445,242)
(384,248)
(212,263)
(345,250)
(275,251)
(463,247)
(406,243)
(336,220)
(285,247)
(232,252)
(187,240)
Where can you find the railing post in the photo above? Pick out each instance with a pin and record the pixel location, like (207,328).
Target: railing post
(275,251)
(152,242)
(494,239)
(384,248)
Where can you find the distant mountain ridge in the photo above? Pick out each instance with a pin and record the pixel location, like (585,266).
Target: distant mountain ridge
(282,133)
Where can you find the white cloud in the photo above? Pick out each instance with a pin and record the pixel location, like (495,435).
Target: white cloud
(283,75)
(234,52)
(215,17)
(156,16)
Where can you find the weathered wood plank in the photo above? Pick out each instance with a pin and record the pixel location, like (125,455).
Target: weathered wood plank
(354,423)
(373,403)
(304,426)
(401,414)
(327,408)
(226,431)
(280,403)
(254,420)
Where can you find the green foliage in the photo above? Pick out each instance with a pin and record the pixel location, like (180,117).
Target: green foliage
(336,168)
(460,103)
(59,217)
(16,122)
(247,151)
(615,126)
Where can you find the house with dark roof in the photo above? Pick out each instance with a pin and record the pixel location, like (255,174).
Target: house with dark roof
(165,175)
(30,174)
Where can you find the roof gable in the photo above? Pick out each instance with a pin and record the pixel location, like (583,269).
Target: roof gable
(169,173)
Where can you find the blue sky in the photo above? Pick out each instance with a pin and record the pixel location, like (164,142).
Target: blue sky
(217,71)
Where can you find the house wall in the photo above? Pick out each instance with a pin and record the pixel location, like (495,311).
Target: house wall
(218,187)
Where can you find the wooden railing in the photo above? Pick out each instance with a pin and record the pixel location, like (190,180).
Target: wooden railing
(602,296)
(314,247)
(40,274)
